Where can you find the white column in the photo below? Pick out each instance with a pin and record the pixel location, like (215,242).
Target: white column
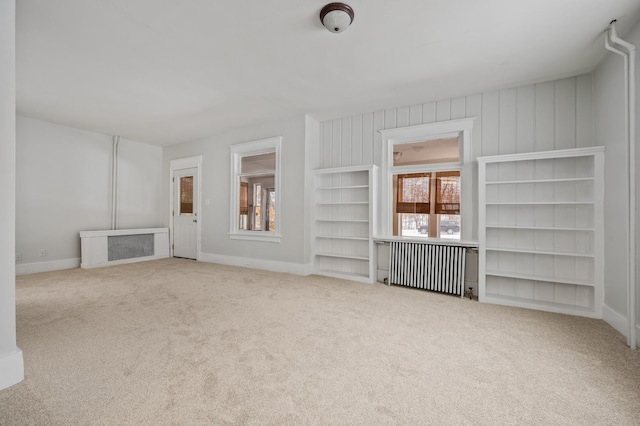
(11,364)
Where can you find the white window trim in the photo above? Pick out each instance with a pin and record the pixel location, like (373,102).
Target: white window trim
(453,128)
(262,146)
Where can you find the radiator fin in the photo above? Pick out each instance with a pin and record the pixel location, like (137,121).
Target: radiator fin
(428,266)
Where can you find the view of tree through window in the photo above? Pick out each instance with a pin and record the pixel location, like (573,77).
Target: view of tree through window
(448,187)
(428,204)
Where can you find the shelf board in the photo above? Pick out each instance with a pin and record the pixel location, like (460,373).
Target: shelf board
(511,182)
(542,305)
(532,251)
(343,256)
(344,275)
(343,237)
(343,220)
(539,203)
(341,203)
(539,228)
(533,277)
(319,188)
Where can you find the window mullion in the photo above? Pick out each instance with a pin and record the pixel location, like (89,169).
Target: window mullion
(434,228)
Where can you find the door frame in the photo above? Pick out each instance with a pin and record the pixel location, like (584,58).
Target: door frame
(179,164)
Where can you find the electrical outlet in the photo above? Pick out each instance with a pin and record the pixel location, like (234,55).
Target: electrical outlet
(18,257)
(43,252)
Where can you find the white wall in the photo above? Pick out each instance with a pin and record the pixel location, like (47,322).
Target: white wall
(540,117)
(288,255)
(610,132)
(64,186)
(11,364)
(139,185)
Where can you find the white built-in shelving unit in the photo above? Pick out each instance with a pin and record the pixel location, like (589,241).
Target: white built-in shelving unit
(344,220)
(541,230)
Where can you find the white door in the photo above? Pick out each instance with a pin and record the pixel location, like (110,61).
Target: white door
(185,210)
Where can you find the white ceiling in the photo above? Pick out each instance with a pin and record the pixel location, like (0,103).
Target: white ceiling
(167,71)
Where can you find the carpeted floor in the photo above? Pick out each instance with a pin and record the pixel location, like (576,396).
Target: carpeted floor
(180,342)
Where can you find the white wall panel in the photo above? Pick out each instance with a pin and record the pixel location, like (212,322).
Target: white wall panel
(507,121)
(356,140)
(443,110)
(565,119)
(390,118)
(326,137)
(345,141)
(415,115)
(490,140)
(402,117)
(585,120)
(525,120)
(367,138)
(522,119)
(428,113)
(378,124)
(545,115)
(458,108)
(336,143)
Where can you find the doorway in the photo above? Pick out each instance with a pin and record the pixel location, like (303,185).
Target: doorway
(185,208)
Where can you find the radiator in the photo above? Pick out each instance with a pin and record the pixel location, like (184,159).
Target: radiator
(111,247)
(428,266)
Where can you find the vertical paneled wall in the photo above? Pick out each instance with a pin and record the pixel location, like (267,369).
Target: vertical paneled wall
(540,117)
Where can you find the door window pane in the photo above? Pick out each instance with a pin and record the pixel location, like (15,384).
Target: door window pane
(186,195)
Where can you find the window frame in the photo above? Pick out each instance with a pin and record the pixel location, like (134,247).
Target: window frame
(237,151)
(462,129)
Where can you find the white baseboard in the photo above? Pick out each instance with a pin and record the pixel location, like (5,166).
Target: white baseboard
(618,322)
(11,369)
(615,320)
(52,265)
(268,265)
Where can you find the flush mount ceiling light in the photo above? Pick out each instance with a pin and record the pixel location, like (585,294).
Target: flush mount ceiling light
(336,17)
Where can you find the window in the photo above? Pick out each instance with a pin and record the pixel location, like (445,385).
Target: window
(186,195)
(257,209)
(428,203)
(255,182)
(426,184)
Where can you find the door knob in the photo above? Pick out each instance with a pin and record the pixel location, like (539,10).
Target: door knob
(195,220)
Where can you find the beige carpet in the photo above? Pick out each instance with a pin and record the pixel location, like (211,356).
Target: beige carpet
(180,342)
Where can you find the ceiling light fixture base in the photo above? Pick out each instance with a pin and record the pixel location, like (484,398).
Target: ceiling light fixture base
(336,17)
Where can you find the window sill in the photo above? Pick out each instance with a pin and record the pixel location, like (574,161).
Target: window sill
(255,236)
(423,240)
